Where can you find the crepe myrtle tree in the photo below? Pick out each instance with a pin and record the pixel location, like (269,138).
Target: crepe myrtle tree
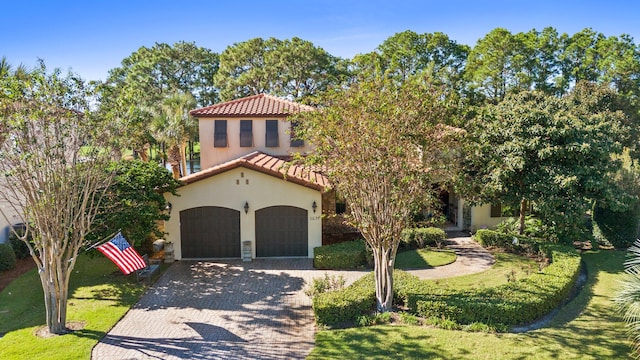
(383,146)
(52,174)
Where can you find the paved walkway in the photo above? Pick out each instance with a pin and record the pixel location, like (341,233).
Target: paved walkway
(236,310)
(471,258)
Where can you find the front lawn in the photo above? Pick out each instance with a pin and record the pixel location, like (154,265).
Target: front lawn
(424,258)
(98,297)
(586,328)
(506,265)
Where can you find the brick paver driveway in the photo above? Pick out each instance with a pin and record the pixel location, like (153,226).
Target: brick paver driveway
(221,310)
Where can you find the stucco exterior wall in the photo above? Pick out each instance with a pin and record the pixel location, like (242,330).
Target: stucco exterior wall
(211,156)
(481,218)
(8,217)
(232,189)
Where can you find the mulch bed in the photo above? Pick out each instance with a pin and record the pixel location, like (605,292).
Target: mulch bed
(22,266)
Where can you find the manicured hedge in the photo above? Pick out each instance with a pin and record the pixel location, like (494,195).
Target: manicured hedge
(422,237)
(514,303)
(509,242)
(346,255)
(336,307)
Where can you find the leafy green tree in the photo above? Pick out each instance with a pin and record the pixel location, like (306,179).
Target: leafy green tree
(408,54)
(496,66)
(541,67)
(579,58)
(553,152)
(134,202)
(173,126)
(383,148)
(53,153)
(147,77)
(294,68)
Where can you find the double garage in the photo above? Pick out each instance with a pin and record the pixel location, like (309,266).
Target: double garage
(214,232)
(219,209)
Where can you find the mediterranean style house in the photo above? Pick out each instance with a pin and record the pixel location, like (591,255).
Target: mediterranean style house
(248,201)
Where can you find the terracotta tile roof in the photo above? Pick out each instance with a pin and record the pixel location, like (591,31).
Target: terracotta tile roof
(261,105)
(267,164)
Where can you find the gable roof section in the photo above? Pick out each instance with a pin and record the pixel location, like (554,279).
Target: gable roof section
(261,105)
(269,165)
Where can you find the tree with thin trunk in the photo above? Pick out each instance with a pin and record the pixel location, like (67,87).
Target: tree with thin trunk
(173,126)
(383,147)
(53,174)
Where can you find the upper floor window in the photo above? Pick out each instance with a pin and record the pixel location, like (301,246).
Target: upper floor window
(246,133)
(271,137)
(220,133)
(295,141)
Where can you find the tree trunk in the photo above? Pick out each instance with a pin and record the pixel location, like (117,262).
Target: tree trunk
(56,288)
(523,211)
(183,157)
(143,152)
(383,272)
(174,160)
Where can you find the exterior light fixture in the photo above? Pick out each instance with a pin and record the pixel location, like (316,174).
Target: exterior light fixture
(169,207)
(246,207)
(314,206)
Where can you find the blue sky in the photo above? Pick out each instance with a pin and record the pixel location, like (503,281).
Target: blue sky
(92,36)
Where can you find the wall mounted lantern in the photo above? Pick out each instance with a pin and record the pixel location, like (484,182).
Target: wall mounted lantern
(169,207)
(246,207)
(314,206)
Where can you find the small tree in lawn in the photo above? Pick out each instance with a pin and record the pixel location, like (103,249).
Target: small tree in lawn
(383,147)
(53,174)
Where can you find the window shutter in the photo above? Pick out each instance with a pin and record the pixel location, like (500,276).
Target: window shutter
(271,137)
(246,133)
(220,133)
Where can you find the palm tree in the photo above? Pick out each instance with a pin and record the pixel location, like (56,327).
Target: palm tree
(627,297)
(173,126)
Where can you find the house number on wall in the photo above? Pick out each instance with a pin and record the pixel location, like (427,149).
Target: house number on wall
(315,217)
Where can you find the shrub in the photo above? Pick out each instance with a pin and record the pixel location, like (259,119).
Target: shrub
(7,257)
(508,242)
(409,319)
(422,237)
(322,285)
(346,255)
(534,228)
(347,305)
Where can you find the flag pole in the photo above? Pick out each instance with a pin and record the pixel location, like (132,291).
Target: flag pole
(103,240)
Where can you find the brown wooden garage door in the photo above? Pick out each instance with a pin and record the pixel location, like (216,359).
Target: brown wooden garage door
(281,231)
(210,232)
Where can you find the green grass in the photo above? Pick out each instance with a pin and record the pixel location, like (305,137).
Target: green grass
(424,258)
(586,328)
(98,296)
(505,264)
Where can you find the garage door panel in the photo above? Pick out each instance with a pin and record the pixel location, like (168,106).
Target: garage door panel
(281,231)
(210,232)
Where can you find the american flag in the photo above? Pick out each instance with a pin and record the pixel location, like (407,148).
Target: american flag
(122,254)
